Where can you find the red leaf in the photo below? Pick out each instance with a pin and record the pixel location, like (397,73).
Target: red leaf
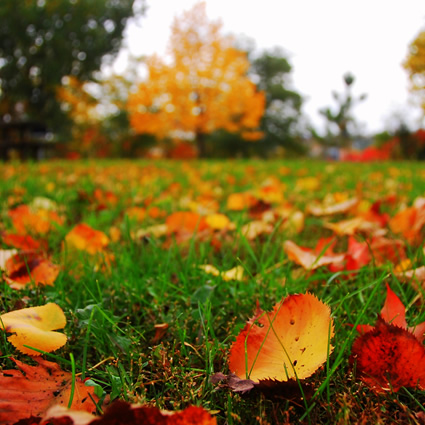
(388,358)
(24,242)
(394,311)
(122,413)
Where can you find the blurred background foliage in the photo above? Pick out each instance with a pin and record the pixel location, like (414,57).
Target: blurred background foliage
(218,97)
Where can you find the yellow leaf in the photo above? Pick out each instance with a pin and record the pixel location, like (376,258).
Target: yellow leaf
(34,327)
(236,273)
(219,222)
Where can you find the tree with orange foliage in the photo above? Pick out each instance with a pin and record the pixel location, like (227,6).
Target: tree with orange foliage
(202,89)
(415,66)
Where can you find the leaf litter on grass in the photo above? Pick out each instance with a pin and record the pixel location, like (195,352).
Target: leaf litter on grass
(139,241)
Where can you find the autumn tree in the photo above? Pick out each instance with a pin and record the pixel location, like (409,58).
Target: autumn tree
(415,67)
(42,41)
(98,111)
(203,87)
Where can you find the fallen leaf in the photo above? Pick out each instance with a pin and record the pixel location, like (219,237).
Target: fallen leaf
(412,275)
(346,227)
(23,242)
(160,331)
(156,230)
(409,223)
(5,254)
(26,268)
(385,249)
(240,201)
(390,355)
(219,222)
(31,390)
(235,273)
(84,238)
(122,413)
(26,220)
(185,221)
(34,326)
(255,228)
(309,259)
(292,341)
(318,209)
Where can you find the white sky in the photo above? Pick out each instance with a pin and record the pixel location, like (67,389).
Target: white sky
(323,40)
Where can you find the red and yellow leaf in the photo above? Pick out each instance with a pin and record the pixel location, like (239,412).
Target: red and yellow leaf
(312,259)
(84,238)
(26,268)
(31,390)
(293,340)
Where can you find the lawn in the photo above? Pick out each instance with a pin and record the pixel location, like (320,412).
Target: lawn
(147,322)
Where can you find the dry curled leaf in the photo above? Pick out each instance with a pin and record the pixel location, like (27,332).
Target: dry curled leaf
(34,327)
(292,341)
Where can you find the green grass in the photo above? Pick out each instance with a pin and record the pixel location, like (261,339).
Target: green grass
(111,315)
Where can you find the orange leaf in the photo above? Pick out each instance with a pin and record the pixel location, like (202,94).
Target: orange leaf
(34,327)
(291,341)
(84,238)
(240,201)
(409,223)
(30,267)
(185,221)
(31,390)
(26,220)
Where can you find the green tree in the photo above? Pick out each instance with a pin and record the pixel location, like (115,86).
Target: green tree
(341,126)
(41,41)
(280,122)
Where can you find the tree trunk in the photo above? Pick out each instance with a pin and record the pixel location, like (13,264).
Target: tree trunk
(200,143)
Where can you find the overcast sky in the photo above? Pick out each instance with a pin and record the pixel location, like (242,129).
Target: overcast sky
(323,40)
